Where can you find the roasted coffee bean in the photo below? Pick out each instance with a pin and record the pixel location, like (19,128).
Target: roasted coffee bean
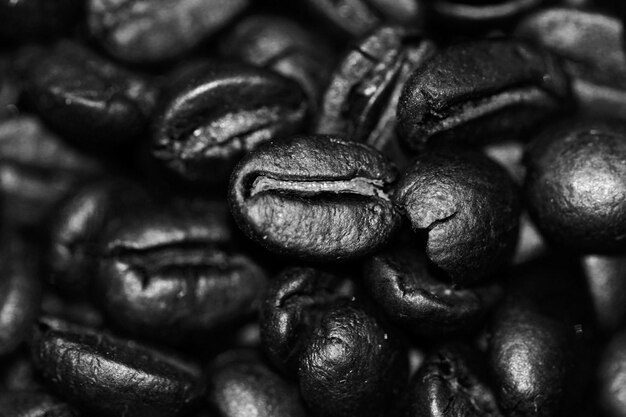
(108,376)
(480,91)
(536,349)
(241,385)
(90,100)
(452,382)
(75,229)
(361,100)
(605,278)
(468,208)
(352,364)
(576,186)
(293,306)
(611,374)
(24,19)
(285,47)
(402,285)
(358,17)
(172,272)
(315,197)
(37,170)
(19,291)
(212,115)
(30,404)
(591,45)
(479,15)
(148,30)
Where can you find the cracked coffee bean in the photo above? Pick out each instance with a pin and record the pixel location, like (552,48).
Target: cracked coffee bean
(361,99)
(37,170)
(172,272)
(358,17)
(32,404)
(293,305)
(315,197)
(110,377)
(93,102)
(213,114)
(590,44)
(153,30)
(468,209)
(285,47)
(575,186)
(505,89)
(240,385)
(452,382)
(412,295)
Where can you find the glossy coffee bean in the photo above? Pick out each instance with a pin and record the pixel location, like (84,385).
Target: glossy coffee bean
(479,16)
(75,229)
(148,31)
(37,170)
(107,376)
(605,279)
(173,271)
(214,114)
(90,100)
(504,89)
(241,385)
(611,374)
(352,364)
(358,17)
(282,45)
(452,382)
(30,404)
(536,351)
(293,305)
(576,186)
(466,206)
(591,45)
(361,100)
(19,291)
(24,19)
(315,197)
(403,286)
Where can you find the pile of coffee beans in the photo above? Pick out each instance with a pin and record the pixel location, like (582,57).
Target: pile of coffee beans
(313,208)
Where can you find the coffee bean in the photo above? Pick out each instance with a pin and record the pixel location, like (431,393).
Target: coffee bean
(242,385)
(148,31)
(293,306)
(108,376)
(504,89)
(30,404)
(172,272)
(214,114)
(358,17)
(37,170)
(402,285)
(285,47)
(452,382)
(468,209)
(19,291)
(361,99)
(92,101)
(591,45)
(352,364)
(576,186)
(315,197)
